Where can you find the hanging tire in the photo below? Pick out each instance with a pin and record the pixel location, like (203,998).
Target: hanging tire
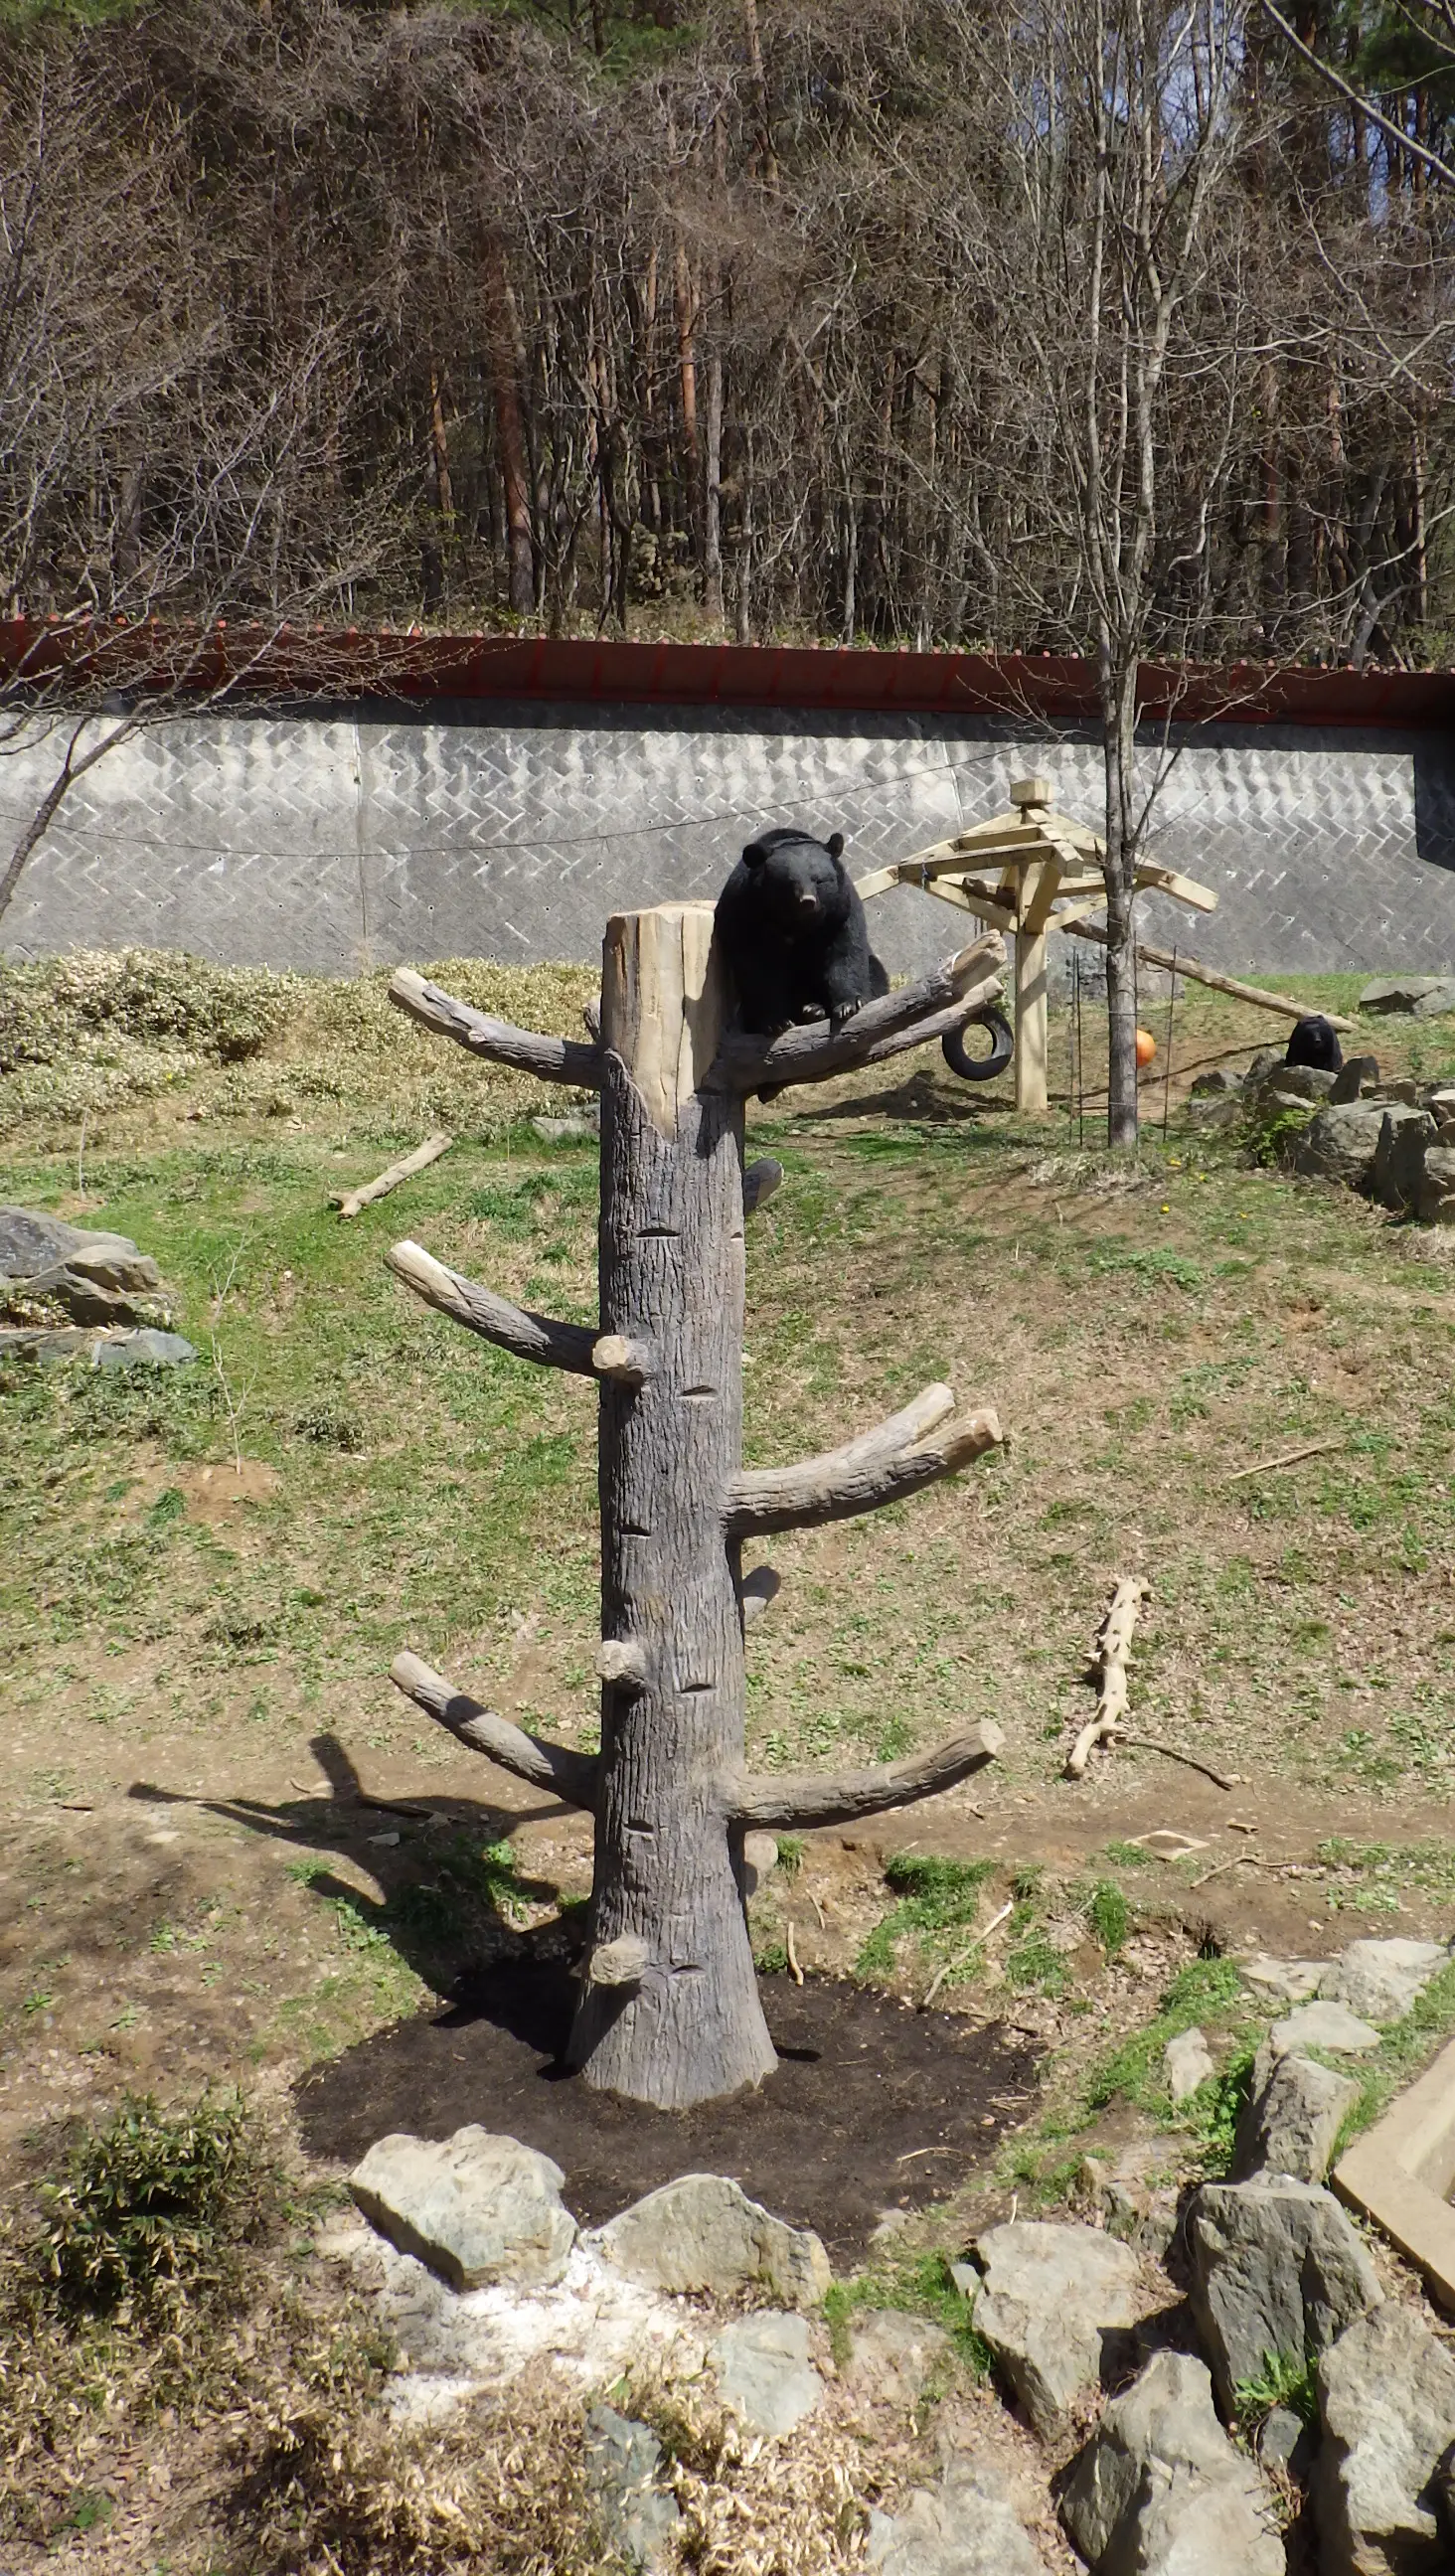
(979,1068)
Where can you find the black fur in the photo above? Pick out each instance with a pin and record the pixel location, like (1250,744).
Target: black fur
(794,934)
(1315,1042)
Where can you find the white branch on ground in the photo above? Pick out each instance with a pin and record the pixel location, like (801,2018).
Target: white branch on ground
(1109,1661)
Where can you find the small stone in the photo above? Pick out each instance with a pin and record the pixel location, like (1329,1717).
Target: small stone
(1276,2268)
(1288,1981)
(1287,2443)
(622,2461)
(894,2357)
(1387,2400)
(1187,2062)
(1322,2025)
(967,2526)
(764,2371)
(1160,2491)
(702,2235)
(1048,2295)
(144,1348)
(1290,2124)
(1382,1979)
(1211,1086)
(476,2208)
(1436,1202)
(1340,1144)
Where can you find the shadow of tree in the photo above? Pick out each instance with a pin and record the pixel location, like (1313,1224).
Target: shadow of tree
(455,1905)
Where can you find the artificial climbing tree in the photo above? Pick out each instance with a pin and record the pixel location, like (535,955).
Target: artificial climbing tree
(669,2010)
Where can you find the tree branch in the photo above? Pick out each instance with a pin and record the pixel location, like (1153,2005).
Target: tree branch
(569,1776)
(797,1800)
(550,1059)
(897,1458)
(530,1337)
(814,1052)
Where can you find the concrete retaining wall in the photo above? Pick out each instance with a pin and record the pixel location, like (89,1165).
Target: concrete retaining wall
(331,842)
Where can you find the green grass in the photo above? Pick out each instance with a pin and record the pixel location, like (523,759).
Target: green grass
(922,2286)
(152,2205)
(937,1898)
(1205,1992)
(1282,2381)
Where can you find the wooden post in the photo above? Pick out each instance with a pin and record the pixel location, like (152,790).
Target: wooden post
(1036,884)
(669,2010)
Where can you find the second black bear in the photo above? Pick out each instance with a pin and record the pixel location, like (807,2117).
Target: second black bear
(794,933)
(1315,1042)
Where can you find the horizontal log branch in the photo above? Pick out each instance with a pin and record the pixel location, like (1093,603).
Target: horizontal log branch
(797,1800)
(568,1776)
(551,1059)
(815,1051)
(981,997)
(1172,961)
(512,1328)
(900,1457)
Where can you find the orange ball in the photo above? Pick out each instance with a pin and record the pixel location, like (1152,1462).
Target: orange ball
(1146,1046)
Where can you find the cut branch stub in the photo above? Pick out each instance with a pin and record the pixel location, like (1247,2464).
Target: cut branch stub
(965,983)
(760,1180)
(631,1363)
(552,1059)
(530,1337)
(570,1776)
(778,1803)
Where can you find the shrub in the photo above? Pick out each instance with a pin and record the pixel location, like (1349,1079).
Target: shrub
(152,2206)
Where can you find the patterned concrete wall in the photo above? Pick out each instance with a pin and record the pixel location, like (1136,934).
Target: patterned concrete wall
(331,842)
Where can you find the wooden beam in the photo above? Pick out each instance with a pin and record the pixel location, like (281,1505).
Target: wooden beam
(1199,898)
(1174,961)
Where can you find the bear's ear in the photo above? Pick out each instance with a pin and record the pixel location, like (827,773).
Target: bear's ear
(835,845)
(754,855)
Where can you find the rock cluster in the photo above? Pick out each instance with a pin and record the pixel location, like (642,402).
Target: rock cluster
(112,1292)
(1394,1141)
(483,2270)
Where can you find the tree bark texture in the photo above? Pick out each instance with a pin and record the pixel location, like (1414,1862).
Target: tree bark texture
(672,1276)
(669,2011)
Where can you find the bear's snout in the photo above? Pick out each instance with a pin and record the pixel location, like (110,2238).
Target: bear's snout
(807,902)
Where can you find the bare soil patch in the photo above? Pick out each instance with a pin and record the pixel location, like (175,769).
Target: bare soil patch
(873,2107)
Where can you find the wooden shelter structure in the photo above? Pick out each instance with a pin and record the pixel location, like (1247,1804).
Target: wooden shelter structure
(1028,872)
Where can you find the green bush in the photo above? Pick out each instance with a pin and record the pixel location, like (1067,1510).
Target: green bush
(153,2205)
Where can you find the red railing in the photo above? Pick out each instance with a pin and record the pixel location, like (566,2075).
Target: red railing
(340,663)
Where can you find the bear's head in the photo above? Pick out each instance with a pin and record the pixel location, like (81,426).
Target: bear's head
(797,881)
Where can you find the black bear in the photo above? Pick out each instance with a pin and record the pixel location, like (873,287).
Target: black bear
(1315,1042)
(794,934)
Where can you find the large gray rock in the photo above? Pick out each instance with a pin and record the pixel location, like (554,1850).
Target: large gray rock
(967,2526)
(1340,1144)
(764,2372)
(1047,2299)
(1399,1157)
(1293,2117)
(1288,1084)
(1436,1202)
(476,2208)
(702,2234)
(1276,2268)
(96,1277)
(894,2356)
(1387,2401)
(1381,1979)
(1425,996)
(1161,2491)
(622,2460)
(1325,2025)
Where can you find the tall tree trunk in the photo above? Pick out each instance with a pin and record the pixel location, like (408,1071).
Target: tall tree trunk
(672,1278)
(1119,742)
(509,430)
